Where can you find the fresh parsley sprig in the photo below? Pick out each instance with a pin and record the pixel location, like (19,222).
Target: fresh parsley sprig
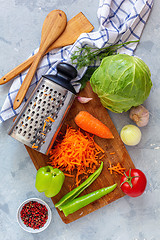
(86,56)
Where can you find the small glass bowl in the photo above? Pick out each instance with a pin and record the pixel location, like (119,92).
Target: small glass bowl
(29,229)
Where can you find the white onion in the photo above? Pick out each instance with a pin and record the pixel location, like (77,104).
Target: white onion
(130,135)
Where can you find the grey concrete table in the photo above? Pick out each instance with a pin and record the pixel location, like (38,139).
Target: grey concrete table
(128,218)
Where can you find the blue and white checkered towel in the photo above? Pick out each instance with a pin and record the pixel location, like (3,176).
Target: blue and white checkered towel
(120,21)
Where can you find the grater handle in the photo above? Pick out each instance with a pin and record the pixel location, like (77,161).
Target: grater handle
(66,70)
(65,73)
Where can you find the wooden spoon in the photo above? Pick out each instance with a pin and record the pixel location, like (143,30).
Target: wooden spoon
(77,25)
(53,26)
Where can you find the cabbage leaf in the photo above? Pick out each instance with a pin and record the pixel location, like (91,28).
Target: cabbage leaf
(121,81)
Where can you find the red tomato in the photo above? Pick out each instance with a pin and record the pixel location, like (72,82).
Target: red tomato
(133,182)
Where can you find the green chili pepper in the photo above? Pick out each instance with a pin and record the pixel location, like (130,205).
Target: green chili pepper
(49,180)
(83,201)
(75,192)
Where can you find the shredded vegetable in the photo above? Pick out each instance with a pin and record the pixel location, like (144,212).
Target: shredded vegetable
(76,154)
(34,146)
(116,168)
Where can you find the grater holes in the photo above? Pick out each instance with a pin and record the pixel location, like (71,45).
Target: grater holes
(49,106)
(41,94)
(54,115)
(28,111)
(49,129)
(21,123)
(55,111)
(32,113)
(20,130)
(38,141)
(43,110)
(41,136)
(29,135)
(44,103)
(37,115)
(38,108)
(39,101)
(26,119)
(41,143)
(33,107)
(61,105)
(24,133)
(46,89)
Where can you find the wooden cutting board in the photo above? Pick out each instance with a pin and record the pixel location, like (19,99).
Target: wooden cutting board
(110,146)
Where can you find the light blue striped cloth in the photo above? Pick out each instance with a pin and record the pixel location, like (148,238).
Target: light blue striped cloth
(120,21)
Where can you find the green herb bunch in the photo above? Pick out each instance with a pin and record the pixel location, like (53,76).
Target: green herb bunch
(87,56)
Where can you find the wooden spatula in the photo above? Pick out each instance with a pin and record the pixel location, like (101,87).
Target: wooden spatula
(77,25)
(53,26)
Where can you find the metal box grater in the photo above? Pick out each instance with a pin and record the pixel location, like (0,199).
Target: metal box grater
(41,118)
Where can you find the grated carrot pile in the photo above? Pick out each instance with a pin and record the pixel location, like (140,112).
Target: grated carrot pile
(76,155)
(117,168)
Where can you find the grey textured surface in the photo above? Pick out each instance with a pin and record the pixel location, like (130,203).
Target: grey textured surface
(128,218)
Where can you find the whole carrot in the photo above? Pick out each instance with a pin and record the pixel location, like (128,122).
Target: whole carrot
(87,122)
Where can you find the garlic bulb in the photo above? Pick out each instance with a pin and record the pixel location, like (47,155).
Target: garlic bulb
(140,115)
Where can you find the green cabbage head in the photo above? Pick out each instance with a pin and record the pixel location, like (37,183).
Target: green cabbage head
(121,81)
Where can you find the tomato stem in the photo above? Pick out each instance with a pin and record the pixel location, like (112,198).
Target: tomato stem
(129,179)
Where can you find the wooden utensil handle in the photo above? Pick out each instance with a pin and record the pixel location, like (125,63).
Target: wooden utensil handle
(57,22)
(26,82)
(17,70)
(74,28)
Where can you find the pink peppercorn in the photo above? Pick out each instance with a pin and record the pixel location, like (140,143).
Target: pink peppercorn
(34,214)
